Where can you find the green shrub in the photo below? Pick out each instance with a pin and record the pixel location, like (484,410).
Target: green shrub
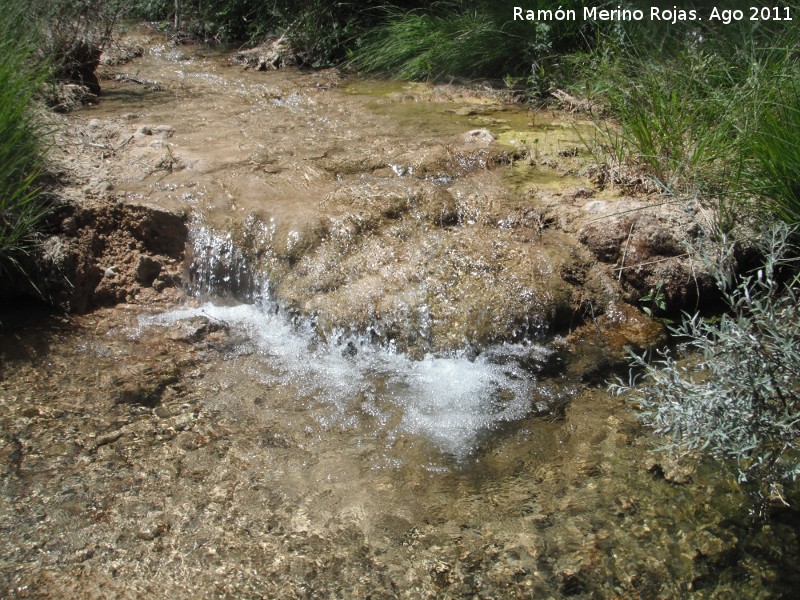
(733,387)
(21,148)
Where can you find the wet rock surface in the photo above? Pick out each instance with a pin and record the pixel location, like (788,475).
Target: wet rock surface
(198,456)
(271,55)
(364,207)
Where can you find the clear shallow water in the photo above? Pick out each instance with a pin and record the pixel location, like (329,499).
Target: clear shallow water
(451,400)
(443,470)
(275,466)
(285,462)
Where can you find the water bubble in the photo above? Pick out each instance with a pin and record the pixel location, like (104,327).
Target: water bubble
(449,400)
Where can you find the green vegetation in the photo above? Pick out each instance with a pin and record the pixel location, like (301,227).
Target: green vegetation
(319,31)
(703,119)
(703,109)
(41,42)
(21,140)
(420,45)
(775,149)
(668,135)
(698,107)
(467,39)
(71,35)
(739,397)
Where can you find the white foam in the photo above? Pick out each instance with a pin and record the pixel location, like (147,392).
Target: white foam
(450,400)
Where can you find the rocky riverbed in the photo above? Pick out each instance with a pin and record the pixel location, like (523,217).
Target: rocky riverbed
(342,338)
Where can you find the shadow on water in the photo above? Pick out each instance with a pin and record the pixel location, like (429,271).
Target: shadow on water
(26,331)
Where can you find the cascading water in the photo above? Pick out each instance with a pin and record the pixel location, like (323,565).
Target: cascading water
(354,451)
(449,399)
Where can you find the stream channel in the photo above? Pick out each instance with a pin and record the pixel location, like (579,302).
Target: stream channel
(363,393)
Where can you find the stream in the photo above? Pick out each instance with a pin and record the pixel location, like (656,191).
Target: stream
(368,388)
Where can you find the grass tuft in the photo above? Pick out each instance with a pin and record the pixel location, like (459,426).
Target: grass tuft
(669,134)
(419,45)
(468,40)
(775,149)
(705,112)
(21,147)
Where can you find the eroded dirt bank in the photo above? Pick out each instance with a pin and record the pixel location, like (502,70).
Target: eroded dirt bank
(395,241)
